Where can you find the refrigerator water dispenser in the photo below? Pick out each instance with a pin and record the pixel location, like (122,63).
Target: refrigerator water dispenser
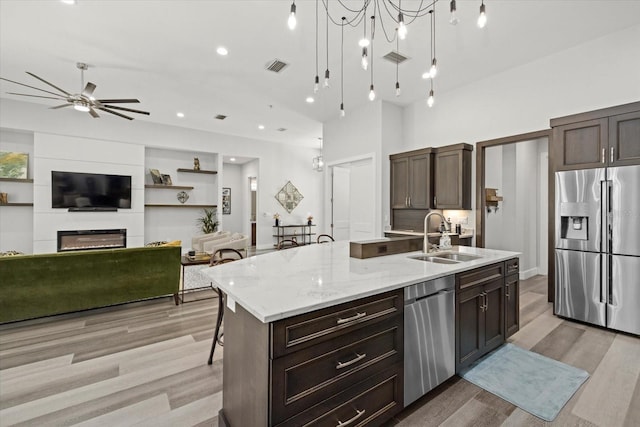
(574,221)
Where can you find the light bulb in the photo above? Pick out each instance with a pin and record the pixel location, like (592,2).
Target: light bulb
(292,17)
(364,42)
(402,29)
(81,106)
(426,75)
(454,14)
(365,59)
(434,69)
(326,78)
(482,19)
(430,100)
(397,88)
(316,84)
(342,114)
(372,93)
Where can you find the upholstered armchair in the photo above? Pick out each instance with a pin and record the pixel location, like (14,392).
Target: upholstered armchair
(198,241)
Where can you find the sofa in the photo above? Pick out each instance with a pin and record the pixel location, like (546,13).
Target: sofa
(48,284)
(211,242)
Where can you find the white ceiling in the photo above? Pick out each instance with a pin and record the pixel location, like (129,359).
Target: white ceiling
(164,53)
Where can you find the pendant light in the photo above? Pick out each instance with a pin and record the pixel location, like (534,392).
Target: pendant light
(342,113)
(364,41)
(292,17)
(372,92)
(326,72)
(431,99)
(434,69)
(316,83)
(397,66)
(482,18)
(454,13)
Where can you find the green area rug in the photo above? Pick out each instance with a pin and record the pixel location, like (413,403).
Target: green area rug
(534,383)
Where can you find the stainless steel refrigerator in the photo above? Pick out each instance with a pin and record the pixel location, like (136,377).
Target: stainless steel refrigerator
(598,247)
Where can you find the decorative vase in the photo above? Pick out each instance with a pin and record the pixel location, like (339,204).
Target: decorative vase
(277,222)
(308,222)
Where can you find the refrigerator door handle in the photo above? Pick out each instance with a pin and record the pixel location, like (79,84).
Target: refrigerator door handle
(604,279)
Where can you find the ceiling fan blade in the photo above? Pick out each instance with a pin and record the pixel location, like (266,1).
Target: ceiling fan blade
(115,113)
(88,89)
(50,84)
(93,113)
(61,106)
(36,96)
(118,101)
(32,87)
(126,109)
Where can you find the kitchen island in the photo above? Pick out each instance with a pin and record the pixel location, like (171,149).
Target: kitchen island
(312,335)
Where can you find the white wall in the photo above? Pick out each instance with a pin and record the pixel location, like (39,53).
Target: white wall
(279,162)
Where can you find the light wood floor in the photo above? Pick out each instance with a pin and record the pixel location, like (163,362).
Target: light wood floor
(145,364)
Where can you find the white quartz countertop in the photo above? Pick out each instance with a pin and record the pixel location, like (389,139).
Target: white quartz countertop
(286,283)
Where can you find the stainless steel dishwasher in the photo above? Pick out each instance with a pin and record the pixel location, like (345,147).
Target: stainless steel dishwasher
(429,336)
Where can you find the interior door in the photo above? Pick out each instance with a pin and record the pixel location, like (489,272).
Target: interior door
(340,205)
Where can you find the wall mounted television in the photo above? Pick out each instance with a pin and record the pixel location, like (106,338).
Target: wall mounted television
(90,191)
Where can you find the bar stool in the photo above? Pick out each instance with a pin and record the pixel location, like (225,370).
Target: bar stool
(286,244)
(324,238)
(218,258)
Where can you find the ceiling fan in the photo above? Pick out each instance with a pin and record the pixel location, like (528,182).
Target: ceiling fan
(83,101)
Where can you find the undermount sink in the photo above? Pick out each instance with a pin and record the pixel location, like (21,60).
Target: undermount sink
(457,256)
(430,258)
(445,257)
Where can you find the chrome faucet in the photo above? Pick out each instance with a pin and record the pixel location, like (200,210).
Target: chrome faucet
(447,227)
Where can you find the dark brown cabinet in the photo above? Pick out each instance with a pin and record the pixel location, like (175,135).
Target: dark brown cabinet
(486,310)
(610,140)
(330,366)
(452,177)
(411,179)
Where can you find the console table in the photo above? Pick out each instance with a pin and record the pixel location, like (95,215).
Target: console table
(301,233)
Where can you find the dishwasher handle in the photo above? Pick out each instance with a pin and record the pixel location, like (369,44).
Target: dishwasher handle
(443,292)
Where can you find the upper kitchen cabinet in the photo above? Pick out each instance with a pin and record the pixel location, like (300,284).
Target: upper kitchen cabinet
(411,179)
(608,137)
(452,177)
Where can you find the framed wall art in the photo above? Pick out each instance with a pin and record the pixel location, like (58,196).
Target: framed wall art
(14,165)
(226,201)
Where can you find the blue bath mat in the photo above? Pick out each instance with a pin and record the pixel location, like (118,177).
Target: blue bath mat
(534,383)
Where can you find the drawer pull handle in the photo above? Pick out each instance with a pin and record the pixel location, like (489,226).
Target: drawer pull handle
(359,357)
(346,423)
(352,318)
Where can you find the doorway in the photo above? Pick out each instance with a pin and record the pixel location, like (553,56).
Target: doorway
(512,198)
(353,200)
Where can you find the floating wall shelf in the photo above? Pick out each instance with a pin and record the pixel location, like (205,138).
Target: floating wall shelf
(16,180)
(17,204)
(197,171)
(158,205)
(170,187)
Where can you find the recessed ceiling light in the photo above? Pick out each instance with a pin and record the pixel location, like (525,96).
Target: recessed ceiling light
(68,1)
(261,127)
(310,99)
(181,115)
(222,51)
(233,159)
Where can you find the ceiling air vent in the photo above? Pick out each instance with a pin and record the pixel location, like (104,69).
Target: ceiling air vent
(221,117)
(276,66)
(281,129)
(395,57)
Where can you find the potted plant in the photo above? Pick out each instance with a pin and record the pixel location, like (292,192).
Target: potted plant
(208,222)
(309,219)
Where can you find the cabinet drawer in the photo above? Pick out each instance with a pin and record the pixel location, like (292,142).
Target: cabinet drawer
(305,378)
(369,402)
(302,331)
(479,276)
(511,266)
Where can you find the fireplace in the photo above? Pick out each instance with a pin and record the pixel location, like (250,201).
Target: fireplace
(82,240)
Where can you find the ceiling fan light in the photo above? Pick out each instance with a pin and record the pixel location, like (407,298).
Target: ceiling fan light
(81,106)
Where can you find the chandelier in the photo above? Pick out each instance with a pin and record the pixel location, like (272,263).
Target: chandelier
(394,21)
